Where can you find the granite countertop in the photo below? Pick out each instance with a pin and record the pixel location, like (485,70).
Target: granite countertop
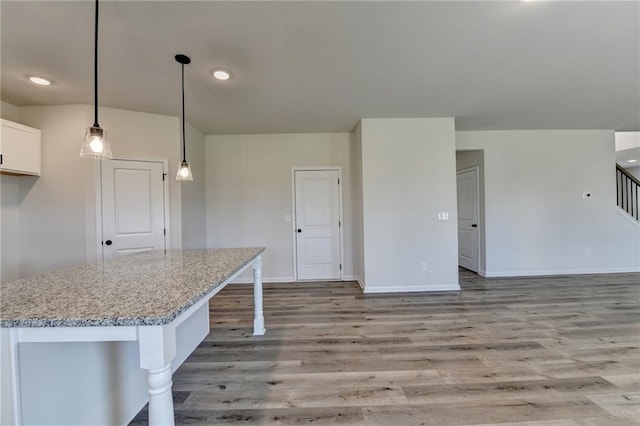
(150,288)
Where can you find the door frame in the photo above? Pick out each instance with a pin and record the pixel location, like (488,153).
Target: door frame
(293,216)
(479,246)
(98,199)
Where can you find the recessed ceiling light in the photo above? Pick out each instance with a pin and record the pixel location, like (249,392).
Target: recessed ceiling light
(632,161)
(221,74)
(39,80)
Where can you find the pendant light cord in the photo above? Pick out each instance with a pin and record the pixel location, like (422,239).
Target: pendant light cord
(95,72)
(184,142)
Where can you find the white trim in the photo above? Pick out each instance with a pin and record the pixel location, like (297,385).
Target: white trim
(482,273)
(479,245)
(628,217)
(284,280)
(14,363)
(293,216)
(77,334)
(98,197)
(264,280)
(515,274)
(412,288)
(294,240)
(356,279)
(167,206)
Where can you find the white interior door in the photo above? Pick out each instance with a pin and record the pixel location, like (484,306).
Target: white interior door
(132,207)
(317,210)
(468,215)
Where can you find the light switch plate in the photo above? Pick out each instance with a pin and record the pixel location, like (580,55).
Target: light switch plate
(443,215)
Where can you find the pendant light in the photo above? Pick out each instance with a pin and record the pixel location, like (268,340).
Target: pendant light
(96,145)
(184,171)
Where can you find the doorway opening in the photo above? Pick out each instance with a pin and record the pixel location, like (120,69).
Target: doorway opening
(471,220)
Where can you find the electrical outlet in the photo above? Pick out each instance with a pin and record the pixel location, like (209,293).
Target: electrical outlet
(443,215)
(423,266)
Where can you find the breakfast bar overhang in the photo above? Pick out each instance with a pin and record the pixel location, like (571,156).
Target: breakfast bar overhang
(158,299)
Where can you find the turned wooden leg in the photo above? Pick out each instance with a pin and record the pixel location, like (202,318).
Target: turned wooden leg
(157,350)
(160,398)
(258,318)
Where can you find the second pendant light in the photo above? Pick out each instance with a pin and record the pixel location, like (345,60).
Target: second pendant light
(184,171)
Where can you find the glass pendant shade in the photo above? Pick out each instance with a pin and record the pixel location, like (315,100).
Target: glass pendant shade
(96,146)
(184,171)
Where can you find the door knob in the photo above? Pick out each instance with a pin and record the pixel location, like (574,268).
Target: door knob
(299,230)
(108,242)
(474,225)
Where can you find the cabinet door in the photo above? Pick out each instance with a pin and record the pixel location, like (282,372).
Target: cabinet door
(20,149)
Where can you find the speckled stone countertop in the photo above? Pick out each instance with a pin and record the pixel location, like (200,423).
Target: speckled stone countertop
(150,288)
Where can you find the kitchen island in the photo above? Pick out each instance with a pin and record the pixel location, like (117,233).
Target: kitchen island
(152,306)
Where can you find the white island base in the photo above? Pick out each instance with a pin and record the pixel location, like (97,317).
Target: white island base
(103,375)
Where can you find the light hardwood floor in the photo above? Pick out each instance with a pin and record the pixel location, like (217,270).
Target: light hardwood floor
(535,351)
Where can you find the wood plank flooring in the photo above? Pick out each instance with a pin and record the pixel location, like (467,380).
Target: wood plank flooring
(532,351)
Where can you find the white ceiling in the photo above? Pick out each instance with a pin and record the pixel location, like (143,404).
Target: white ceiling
(302,66)
(623,157)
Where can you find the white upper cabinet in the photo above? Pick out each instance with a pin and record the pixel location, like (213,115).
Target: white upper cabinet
(19,149)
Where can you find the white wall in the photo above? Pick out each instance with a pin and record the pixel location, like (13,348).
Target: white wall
(9,213)
(56,211)
(397,176)
(249,191)
(537,221)
(626,140)
(8,111)
(193,194)
(358,230)
(467,160)
(408,176)
(52,207)
(10,227)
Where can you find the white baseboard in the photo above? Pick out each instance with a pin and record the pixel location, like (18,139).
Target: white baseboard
(356,279)
(292,280)
(411,288)
(538,273)
(264,280)
(453,287)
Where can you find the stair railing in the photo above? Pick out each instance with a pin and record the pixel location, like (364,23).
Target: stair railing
(628,191)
